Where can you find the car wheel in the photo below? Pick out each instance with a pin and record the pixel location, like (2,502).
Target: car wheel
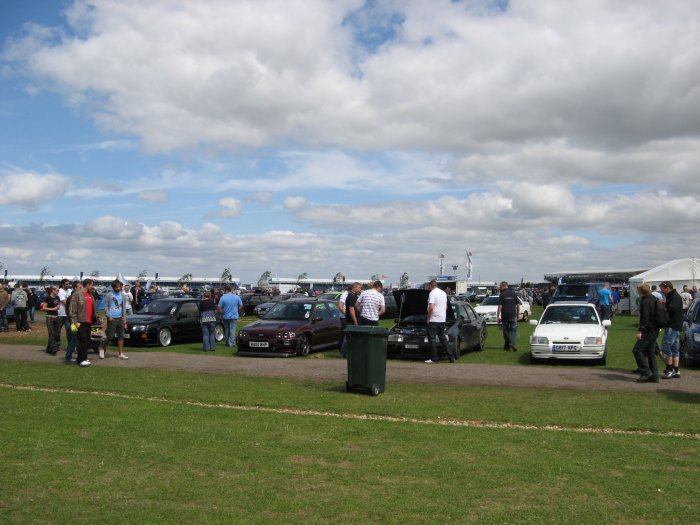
(534,360)
(165,337)
(603,360)
(374,390)
(481,345)
(219,332)
(303,345)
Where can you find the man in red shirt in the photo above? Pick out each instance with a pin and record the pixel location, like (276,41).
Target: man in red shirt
(83,312)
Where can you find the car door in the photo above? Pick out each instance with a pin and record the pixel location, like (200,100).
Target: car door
(322,325)
(468,327)
(187,319)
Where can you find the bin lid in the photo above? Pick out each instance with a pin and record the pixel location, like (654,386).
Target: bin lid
(379,331)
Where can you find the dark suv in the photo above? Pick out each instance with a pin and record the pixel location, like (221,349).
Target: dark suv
(587,292)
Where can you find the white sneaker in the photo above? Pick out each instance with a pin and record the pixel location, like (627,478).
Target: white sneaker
(429,361)
(122,356)
(102,354)
(85,363)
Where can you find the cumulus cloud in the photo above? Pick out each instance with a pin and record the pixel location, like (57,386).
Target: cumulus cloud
(293,203)
(29,190)
(230,207)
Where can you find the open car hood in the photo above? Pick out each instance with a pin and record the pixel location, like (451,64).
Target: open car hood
(415,301)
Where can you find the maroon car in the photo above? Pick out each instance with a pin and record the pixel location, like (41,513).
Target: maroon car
(292,327)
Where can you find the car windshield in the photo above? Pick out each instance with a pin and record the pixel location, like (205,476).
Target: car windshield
(569,315)
(575,290)
(490,301)
(160,307)
(287,311)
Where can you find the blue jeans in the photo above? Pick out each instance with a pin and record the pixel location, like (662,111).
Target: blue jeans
(209,336)
(437,331)
(510,331)
(3,321)
(230,328)
(669,343)
(70,336)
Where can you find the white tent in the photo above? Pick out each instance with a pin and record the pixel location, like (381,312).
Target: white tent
(678,271)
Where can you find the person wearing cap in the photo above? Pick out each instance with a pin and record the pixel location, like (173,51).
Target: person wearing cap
(669,344)
(644,350)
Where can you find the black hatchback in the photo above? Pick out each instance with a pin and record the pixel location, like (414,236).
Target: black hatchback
(162,321)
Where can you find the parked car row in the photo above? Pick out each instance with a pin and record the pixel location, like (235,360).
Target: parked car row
(489,309)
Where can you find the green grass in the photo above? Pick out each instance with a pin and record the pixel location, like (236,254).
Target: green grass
(82,458)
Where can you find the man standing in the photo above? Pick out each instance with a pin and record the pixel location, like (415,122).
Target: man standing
(4,301)
(83,312)
(657,294)
(115,309)
(437,315)
(350,314)
(64,293)
(19,300)
(605,301)
(669,343)
(230,306)
(507,315)
(137,295)
(647,333)
(686,297)
(370,305)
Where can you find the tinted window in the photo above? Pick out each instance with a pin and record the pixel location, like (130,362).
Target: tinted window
(492,300)
(335,311)
(322,311)
(290,311)
(160,307)
(576,290)
(189,310)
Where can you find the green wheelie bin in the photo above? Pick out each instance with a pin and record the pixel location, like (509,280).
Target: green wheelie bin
(366,359)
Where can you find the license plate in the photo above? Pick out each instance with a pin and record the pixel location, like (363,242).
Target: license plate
(412,347)
(565,348)
(127,336)
(259,344)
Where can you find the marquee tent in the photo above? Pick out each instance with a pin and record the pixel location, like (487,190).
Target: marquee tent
(678,271)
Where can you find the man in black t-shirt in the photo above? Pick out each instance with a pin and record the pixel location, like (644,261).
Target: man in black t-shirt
(350,314)
(508,310)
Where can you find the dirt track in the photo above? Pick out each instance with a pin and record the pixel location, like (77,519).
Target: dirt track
(557,377)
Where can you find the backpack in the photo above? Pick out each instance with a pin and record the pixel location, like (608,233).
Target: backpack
(660,315)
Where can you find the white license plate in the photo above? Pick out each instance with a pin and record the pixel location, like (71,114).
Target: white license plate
(127,336)
(259,344)
(412,347)
(565,348)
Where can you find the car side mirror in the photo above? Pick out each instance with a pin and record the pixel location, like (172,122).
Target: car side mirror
(607,323)
(534,322)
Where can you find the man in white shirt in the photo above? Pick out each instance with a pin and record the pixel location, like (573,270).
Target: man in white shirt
(437,315)
(370,305)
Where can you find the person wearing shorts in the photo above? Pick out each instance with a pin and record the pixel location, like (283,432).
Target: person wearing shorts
(115,308)
(670,345)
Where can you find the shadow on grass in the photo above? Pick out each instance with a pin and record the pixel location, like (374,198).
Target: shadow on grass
(688,398)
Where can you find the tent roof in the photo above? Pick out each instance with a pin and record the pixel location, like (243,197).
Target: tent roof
(678,271)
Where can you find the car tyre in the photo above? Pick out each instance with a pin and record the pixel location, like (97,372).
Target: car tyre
(374,389)
(534,360)
(219,332)
(165,337)
(303,346)
(603,360)
(481,345)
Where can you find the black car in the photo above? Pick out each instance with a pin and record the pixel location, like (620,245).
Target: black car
(586,292)
(251,300)
(690,335)
(162,321)
(465,329)
(292,327)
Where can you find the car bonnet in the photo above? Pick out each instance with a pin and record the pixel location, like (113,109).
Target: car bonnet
(415,301)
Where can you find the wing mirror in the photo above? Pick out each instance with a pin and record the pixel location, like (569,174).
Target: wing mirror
(607,323)
(534,322)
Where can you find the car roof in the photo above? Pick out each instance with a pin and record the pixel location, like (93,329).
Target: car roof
(570,303)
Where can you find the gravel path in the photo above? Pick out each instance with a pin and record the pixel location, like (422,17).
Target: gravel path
(543,376)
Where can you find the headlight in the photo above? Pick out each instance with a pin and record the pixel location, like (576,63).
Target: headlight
(242,334)
(139,328)
(593,341)
(286,335)
(534,340)
(395,338)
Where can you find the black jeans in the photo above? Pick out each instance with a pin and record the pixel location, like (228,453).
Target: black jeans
(645,354)
(437,331)
(83,341)
(21,318)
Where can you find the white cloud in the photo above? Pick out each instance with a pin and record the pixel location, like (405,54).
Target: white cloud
(294,203)
(29,190)
(230,207)
(153,196)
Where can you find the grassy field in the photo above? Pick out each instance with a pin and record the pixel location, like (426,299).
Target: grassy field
(151,446)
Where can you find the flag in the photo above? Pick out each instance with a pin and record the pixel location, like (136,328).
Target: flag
(121,279)
(149,282)
(469,264)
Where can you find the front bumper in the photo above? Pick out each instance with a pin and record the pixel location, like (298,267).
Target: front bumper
(275,348)
(583,352)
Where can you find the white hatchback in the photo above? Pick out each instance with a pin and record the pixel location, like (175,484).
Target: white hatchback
(489,309)
(569,330)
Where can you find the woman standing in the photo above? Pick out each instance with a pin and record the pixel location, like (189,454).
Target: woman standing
(207,310)
(53,322)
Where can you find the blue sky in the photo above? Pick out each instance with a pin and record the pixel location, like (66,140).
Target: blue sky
(351,136)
